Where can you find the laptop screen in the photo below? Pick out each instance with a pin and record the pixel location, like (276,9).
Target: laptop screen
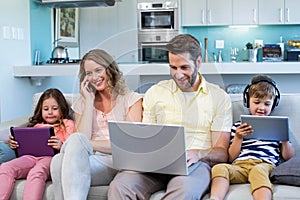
(147,147)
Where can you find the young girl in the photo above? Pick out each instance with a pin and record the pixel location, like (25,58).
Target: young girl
(52,110)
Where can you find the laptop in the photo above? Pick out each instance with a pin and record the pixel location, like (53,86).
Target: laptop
(33,141)
(268,127)
(146,147)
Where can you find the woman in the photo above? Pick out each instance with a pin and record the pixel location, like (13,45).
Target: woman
(85,158)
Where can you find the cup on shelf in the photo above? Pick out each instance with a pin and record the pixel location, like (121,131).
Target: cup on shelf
(234,52)
(252,55)
(37,57)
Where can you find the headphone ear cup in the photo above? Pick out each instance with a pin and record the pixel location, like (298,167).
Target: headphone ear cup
(246,96)
(247,100)
(275,103)
(277,98)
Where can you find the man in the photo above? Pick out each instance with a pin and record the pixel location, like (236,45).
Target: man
(205,111)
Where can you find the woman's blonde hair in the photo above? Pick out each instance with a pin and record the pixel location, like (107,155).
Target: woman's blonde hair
(116,81)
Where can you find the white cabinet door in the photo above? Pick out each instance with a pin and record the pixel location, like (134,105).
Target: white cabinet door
(111,28)
(219,12)
(292,13)
(206,12)
(245,12)
(193,12)
(271,12)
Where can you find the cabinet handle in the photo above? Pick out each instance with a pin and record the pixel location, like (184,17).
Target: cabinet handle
(209,16)
(254,16)
(202,16)
(287,15)
(280,14)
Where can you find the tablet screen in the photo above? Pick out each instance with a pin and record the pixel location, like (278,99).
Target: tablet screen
(268,127)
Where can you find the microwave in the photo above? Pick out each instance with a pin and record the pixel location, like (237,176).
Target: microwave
(162,16)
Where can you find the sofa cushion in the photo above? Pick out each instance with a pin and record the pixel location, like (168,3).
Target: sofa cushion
(242,191)
(95,192)
(287,173)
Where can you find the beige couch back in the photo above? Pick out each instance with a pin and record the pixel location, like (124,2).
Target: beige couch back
(288,106)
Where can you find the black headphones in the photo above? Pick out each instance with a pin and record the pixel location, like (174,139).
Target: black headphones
(261,79)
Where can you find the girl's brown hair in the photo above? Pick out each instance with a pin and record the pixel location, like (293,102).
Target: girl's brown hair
(64,108)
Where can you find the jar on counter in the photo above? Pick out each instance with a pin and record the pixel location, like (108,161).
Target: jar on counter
(252,53)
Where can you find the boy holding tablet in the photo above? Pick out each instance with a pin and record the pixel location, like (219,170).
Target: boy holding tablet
(252,160)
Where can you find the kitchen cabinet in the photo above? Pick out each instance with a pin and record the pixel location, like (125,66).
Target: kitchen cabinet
(271,12)
(244,12)
(279,12)
(193,12)
(239,12)
(292,11)
(206,12)
(111,28)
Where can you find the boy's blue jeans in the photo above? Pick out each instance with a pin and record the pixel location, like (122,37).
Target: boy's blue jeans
(6,153)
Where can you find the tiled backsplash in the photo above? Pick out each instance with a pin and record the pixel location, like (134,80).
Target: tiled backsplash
(239,37)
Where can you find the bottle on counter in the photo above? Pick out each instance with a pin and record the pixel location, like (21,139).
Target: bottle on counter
(281,44)
(214,57)
(205,50)
(220,59)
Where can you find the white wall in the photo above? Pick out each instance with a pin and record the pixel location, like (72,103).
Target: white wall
(16,93)
(14,13)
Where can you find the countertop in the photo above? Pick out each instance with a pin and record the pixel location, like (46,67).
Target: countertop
(163,69)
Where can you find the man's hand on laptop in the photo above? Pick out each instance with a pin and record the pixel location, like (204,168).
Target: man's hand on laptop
(192,156)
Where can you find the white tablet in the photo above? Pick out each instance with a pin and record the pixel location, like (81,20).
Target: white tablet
(268,127)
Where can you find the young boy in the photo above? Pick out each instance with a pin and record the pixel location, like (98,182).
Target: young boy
(252,160)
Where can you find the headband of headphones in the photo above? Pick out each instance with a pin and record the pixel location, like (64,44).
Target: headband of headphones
(257,80)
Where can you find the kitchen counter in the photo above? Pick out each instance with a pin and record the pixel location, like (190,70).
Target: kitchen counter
(286,74)
(49,70)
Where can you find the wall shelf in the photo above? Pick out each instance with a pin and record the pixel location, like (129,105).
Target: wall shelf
(46,70)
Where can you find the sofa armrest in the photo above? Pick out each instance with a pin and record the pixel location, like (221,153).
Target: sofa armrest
(5,126)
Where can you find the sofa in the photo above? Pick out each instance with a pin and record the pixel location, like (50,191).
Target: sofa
(286,180)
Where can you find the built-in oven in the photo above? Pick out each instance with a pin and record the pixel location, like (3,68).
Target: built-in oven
(154,52)
(163,16)
(152,46)
(158,24)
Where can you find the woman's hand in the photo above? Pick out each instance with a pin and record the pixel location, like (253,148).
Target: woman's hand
(243,130)
(12,143)
(86,91)
(55,142)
